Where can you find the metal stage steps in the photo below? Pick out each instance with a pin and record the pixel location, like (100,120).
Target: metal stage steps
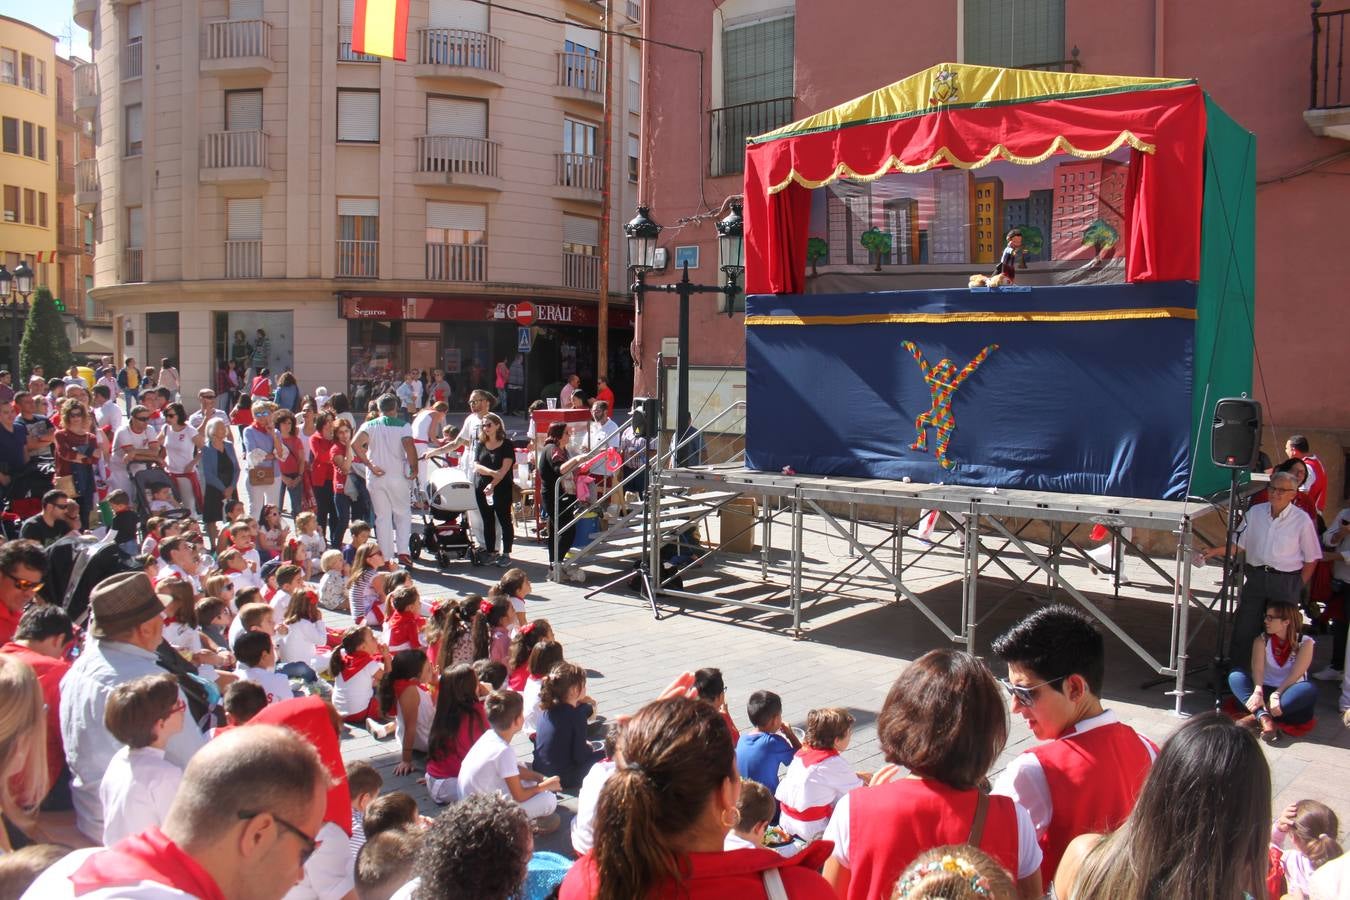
(619,545)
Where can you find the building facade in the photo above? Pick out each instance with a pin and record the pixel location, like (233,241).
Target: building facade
(74,280)
(763,77)
(988,214)
(263,195)
(1088,218)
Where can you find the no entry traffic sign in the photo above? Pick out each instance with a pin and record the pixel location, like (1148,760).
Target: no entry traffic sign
(524,313)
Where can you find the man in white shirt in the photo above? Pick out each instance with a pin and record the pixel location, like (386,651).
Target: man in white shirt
(133,443)
(565,395)
(207,399)
(604,431)
(385,446)
(426,431)
(106,411)
(1279,541)
(409,394)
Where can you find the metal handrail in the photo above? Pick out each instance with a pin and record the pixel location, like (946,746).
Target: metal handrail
(1334,20)
(696,432)
(590,456)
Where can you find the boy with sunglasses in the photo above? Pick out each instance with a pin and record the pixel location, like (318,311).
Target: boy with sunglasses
(1087,775)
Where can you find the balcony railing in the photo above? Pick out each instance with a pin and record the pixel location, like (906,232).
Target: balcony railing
(243,259)
(358,259)
(234,150)
(581,271)
(86,176)
(133,265)
(459,47)
(577,170)
(1072,64)
(580,71)
(73,239)
(65,178)
(131,59)
(237,39)
(731,125)
(445,154)
(86,86)
(345,52)
(1328,89)
(456,262)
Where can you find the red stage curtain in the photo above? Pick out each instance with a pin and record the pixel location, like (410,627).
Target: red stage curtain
(1164,198)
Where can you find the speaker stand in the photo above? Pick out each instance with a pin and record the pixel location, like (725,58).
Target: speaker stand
(1224,603)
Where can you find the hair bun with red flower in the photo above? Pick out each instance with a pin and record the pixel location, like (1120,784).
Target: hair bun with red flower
(485,607)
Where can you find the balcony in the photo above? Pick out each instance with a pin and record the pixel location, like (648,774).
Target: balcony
(345,52)
(237,47)
(731,125)
(86,184)
(456,262)
(458,54)
(581,77)
(234,157)
(579,177)
(358,259)
(1328,112)
(132,59)
(581,271)
(86,90)
(444,159)
(65,180)
(83,13)
(1072,64)
(71,240)
(133,265)
(243,259)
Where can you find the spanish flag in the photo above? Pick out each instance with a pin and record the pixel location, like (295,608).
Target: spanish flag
(380,28)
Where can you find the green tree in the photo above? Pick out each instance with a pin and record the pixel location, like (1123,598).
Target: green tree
(816,251)
(44,337)
(1033,242)
(1100,235)
(877,243)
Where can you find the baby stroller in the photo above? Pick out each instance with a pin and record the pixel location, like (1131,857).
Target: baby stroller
(145,482)
(445,527)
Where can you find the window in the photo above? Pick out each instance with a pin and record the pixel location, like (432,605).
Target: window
(11,203)
(581,235)
(245,9)
(42,143)
(358,237)
(359,116)
(757,61)
(89,234)
(26,71)
(457,117)
(9,66)
(581,68)
(131,64)
(135,228)
(9,129)
(1014,32)
(243,237)
(133,128)
(29,206)
(579,137)
(456,242)
(633,63)
(28,139)
(633,158)
(466,14)
(41,77)
(42,209)
(243,110)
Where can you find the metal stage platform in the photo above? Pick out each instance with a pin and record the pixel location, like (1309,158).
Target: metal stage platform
(987,527)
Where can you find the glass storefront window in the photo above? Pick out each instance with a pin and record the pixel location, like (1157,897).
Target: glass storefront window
(255,340)
(374,358)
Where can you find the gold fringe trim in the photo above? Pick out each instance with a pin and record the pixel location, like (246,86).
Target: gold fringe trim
(1068,315)
(944,157)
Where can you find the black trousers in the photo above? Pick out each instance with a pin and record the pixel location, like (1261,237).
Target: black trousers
(499,513)
(1258,589)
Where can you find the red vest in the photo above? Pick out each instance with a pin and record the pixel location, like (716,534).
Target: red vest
(891,824)
(1094,779)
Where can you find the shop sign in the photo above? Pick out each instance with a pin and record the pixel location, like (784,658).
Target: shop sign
(374,308)
(470,309)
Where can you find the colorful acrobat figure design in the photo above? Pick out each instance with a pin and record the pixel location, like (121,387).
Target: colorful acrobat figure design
(943,379)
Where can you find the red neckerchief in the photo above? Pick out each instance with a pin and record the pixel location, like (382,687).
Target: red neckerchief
(172,620)
(402,684)
(811,756)
(1280,649)
(148,856)
(352,663)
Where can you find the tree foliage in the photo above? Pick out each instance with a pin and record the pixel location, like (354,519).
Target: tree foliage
(816,251)
(44,337)
(1100,235)
(1033,241)
(876,242)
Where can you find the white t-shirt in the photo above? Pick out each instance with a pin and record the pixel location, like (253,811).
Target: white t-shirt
(277,686)
(109,414)
(422,427)
(530,697)
(604,434)
(821,784)
(55,884)
(426,711)
(329,874)
(385,445)
(1028,849)
(588,798)
(179,448)
(198,419)
(472,432)
(487,765)
(137,789)
(301,641)
(281,601)
(124,438)
(352,696)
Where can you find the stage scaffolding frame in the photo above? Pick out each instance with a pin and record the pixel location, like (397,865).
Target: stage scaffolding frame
(982,530)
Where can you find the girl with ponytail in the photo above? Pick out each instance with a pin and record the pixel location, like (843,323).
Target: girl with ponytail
(665,813)
(1313,827)
(560,747)
(518,657)
(357,665)
(459,721)
(450,636)
(491,629)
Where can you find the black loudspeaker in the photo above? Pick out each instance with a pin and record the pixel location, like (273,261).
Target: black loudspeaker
(646,417)
(1235,439)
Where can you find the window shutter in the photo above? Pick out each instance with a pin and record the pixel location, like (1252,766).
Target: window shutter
(358,116)
(465,14)
(346,12)
(133,124)
(584,37)
(1008,33)
(135,227)
(757,60)
(246,9)
(358,206)
(243,111)
(460,118)
(243,219)
(135,23)
(581,230)
(634,65)
(462,216)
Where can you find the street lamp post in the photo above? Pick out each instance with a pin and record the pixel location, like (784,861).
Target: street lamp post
(20,283)
(642,236)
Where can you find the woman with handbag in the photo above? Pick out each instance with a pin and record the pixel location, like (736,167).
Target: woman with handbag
(945,721)
(262,452)
(218,468)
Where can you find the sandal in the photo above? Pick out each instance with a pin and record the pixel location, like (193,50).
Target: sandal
(1271,737)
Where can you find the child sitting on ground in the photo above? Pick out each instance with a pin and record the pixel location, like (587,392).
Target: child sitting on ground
(363,783)
(491,673)
(755,810)
(214,615)
(490,766)
(125,522)
(760,752)
(1313,827)
(254,616)
(331,594)
(305,645)
(389,812)
(954,873)
(183,634)
(360,534)
(242,701)
(518,657)
(514,586)
(290,580)
(544,656)
(258,662)
(711,689)
(403,631)
(385,863)
(139,784)
(588,798)
(491,629)
(307,533)
(459,721)
(450,636)
(561,747)
(818,775)
(153,533)
(357,665)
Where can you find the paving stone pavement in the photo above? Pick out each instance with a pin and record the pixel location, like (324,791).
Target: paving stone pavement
(850,654)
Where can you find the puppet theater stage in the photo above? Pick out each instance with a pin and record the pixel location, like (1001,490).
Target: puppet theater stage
(998,409)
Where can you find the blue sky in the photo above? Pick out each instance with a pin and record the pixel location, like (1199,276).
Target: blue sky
(51,16)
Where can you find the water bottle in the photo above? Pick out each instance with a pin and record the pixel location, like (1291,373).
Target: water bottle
(491,495)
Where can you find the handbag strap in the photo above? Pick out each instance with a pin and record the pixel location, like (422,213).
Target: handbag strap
(774,888)
(977,826)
